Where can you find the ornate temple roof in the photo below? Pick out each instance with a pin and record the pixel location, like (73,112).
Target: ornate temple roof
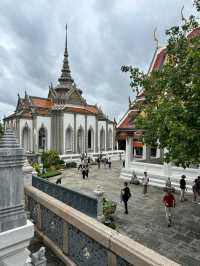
(127,121)
(64,96)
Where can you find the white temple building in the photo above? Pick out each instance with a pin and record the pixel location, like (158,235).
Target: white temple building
(63,121)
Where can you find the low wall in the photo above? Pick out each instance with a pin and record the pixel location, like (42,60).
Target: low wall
(81,202)
(158,173)
(81,240)
(114,154)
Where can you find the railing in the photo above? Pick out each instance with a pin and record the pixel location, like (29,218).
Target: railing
(79,240)
(76,200)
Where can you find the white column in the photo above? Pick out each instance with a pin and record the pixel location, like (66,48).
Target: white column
(157,153)
(167,167)
(129,151)
(144,152)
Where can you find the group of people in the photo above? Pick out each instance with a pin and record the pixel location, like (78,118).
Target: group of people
(84,167)
(168,198)
(104,160)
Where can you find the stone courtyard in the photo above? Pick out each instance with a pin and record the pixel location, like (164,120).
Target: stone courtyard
(146,220)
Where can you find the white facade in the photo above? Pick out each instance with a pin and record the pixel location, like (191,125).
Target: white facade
(79,133)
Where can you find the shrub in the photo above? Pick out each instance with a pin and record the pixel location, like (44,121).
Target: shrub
(50,158)
(71,165)
(36,166)
(61,162)
(50,174)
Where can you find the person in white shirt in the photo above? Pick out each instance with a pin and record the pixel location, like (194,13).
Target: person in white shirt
(145,183)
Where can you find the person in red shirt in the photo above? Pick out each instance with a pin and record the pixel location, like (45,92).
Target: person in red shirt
(170,202)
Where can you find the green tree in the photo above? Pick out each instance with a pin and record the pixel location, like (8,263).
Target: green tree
(51,159)
(171,110)
(1,128)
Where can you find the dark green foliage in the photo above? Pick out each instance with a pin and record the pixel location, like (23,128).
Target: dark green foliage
(1,129)
(71,165)
(36,166)
(50,173)
(171,111)
(51,159)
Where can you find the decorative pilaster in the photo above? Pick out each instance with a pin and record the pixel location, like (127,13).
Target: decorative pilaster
(129,151)
(106,148)
(61,135)
(15,230)
(75,133)
(12,157)
(35,144)
(96,136)
(86,135)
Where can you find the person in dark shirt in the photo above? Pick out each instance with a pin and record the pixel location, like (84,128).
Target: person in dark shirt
(83,172)
(198,184)
(126,194)
(182,187)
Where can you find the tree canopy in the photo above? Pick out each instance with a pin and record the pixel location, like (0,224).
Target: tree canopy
(1,128)
(171,109)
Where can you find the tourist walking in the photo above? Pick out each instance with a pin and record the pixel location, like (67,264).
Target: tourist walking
(182,187)
(58,181)
(99,162)
(125,195)
(198,183)
(109,162)
(195,189)
(145,181)
(169,202)
(87,170)
(83,171)
(168,183)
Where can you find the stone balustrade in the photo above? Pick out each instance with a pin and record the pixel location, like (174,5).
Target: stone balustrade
(78,239)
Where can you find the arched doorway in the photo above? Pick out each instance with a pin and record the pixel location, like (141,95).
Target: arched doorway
(80,140)
(110,138)
(42,143)
(90,139)
(102,139)
(69,139)
(26,139)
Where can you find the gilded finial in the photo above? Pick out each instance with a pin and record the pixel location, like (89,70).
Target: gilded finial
(155,38)
(182,16)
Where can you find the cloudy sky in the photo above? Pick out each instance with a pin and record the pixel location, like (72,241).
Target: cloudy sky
(102,36)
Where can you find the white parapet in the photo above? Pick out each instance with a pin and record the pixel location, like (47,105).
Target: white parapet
(158,173)
(14,243)
(115,155)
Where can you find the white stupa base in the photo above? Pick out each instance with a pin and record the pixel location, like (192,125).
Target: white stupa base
(14,243)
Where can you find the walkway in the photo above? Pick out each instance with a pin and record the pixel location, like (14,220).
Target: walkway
(146,220)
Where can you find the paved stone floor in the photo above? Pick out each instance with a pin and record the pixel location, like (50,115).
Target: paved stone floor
(146,220)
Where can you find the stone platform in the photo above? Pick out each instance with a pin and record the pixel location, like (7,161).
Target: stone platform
(146,220)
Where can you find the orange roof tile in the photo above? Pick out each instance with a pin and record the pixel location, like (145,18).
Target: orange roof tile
(43,103)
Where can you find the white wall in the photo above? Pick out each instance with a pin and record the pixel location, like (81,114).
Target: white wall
(68,121)
(46,121)
(22,124)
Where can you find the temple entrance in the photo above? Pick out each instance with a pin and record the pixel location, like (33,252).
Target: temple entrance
(42,144)
(90,139)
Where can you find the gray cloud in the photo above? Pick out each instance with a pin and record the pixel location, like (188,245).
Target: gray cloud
(102,36)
